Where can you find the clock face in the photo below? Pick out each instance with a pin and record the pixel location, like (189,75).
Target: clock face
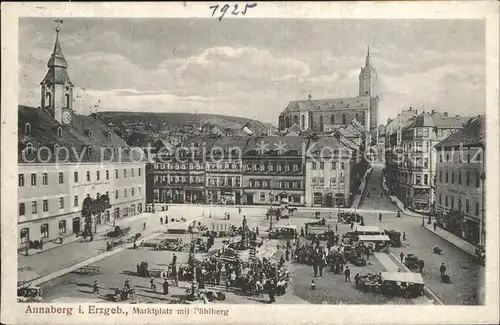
(66,117)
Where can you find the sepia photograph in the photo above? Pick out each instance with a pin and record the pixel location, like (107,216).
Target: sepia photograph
(235,159)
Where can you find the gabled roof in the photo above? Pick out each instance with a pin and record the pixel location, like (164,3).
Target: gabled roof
(325,145)
(273,143)
(472,134)
(438,120)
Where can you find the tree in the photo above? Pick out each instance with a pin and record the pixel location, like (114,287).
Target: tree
(102,204)
(89,208)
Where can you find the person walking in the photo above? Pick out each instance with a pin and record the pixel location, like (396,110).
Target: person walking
(402,256)
(144,226)
(347,274)
(315,269)
(161,220)
(239,210)
(165,287)
(442,269)
(152,284)
(357,280)
(380,217)
(404,236)
(174,259)
(96,287)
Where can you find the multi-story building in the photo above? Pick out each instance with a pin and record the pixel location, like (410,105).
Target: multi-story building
(411,169)
(328,170)
(273,170)
(460,182)
(179,174)
(314,114)
(65,157)
(223,170)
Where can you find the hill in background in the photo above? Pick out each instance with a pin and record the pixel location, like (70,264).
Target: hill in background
(172,121)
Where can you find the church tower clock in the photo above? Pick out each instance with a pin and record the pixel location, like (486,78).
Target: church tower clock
(56,87)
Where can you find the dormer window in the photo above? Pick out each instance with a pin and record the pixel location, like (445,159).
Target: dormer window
(56,148)
(27,128)
(59,132)
(90,134)
(90,150)
(109,135)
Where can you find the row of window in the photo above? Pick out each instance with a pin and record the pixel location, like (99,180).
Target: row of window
(180,179)
(27,131)
(61,201)
(458,157)
(88,178)
(321,181)
(272,167)
(281,184)
(179,166)
(223,181)
(459,206)
(459,177)
(322,165)
(44,231)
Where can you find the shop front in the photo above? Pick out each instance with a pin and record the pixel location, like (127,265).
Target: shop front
(327,197)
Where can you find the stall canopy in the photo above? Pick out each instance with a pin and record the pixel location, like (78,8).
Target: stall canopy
(293,227)
(373,238)
(178,226)
(408,277)
(369,229)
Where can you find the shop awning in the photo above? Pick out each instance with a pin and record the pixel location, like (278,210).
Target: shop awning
(373,238)
(408,277)
(364,229)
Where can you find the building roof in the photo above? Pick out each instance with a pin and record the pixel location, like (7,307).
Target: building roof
(268,144)
(472,134)
(325,146)
(402,120)
(73,142)
(328,104)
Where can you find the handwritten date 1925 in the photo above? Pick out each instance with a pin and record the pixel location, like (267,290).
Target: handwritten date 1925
(226,9)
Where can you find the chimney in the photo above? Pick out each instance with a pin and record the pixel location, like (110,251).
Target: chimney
(433,111)
(446,114)
(410,109)
(457,116)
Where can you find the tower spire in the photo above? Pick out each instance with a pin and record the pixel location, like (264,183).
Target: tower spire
(367,60)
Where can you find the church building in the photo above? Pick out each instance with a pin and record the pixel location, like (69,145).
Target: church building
(317,115)
(64,158)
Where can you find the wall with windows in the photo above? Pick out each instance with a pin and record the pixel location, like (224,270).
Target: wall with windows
(327,183)
(52,195)
(459,191)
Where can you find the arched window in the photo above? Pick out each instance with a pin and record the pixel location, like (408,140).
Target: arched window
(27,128)
(302,121)
(59,132)
(311,120)
(344,119)
(109,135)
(295,119)
(287,121)
(29,147)
(90,134)
(56,148)
(68,100)
(48,95)
(332,119)
(321,125)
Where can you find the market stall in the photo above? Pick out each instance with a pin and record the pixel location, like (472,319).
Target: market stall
(380,242)
(404,284)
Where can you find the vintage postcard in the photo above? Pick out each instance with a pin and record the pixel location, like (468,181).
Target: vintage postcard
(309,163)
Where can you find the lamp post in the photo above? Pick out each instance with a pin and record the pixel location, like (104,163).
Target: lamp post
(27,242)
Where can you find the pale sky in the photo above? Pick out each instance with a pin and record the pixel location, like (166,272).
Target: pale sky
(254,67)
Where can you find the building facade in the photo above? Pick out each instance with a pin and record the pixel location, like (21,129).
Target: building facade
(313,115)
(273,170)
(179,174)
(224,170)
(328,169)
(64,157)
(411,159)
(460,182)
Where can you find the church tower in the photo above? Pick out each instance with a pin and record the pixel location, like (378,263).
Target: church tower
(368,84)
(368,78)
(56,87)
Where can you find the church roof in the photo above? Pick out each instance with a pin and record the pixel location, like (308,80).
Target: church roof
(368,69)
(328,104)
